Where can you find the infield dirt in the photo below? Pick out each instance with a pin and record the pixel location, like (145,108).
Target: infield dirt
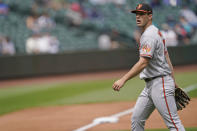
(68,118)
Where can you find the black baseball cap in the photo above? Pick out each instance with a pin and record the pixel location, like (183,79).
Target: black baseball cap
(143,8)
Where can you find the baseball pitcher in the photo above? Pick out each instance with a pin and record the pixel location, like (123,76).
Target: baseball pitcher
(156,70)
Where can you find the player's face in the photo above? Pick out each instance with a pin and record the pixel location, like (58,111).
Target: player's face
(142,19)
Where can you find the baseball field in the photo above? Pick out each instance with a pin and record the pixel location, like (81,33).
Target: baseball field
(69,102)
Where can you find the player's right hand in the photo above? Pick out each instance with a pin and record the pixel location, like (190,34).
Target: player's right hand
(118,84)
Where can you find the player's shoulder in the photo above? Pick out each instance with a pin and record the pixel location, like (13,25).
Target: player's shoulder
(150,35)
(151,31)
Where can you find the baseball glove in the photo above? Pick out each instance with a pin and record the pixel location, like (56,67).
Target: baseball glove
(181,98)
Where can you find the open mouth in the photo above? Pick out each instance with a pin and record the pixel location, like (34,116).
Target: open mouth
(138,21)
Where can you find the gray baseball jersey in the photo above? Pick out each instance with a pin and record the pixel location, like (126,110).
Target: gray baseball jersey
(158,92)
(152,45)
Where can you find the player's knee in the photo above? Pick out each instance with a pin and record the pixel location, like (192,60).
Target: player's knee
(136,122)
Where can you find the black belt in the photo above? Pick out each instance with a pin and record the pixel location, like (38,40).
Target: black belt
(150,79)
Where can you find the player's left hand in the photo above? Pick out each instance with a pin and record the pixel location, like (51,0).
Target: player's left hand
(118,84)
(181,98)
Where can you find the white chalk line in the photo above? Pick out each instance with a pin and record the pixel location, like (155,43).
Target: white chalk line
(190,88)
(114,118)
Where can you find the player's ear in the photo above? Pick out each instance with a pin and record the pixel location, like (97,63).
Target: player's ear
(150,16)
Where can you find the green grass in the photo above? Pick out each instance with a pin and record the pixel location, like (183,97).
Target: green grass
(187,129)
(17,98)
(193,93)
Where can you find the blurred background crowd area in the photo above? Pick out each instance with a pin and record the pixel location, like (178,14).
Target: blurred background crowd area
(52,26)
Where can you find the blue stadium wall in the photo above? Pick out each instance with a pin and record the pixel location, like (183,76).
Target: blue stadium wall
(84,61)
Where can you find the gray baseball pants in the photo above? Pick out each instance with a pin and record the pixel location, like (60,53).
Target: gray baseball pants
(159,94)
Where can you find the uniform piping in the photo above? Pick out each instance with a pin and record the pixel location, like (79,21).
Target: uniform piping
(167,105)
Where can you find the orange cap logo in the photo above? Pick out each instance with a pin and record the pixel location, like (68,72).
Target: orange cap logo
(139,6)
